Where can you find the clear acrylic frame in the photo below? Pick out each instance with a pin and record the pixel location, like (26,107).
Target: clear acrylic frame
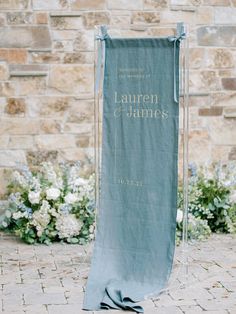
(179,274)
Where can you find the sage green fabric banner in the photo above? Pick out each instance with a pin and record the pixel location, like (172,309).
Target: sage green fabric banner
(135,240)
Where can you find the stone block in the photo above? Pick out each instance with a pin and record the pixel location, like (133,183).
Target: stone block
(15,106)
(49,126)
(81,111)
(7,89)
(27,70)
(225,15)
(77,79)
(4,139)
(16,56)
(84,41)
(88,4)
(155,4)
(229,83)
(204,15)
(90,19)
(62,45)
(120,20)
(199,141)
(124,5)
(16,126)
(34,158)
(10,158)
(176,16)
(21,142)
(226,72)
(30,85)
(223,99)
(41,18)
(3,71)
(57,141)
(36,37)
(14,18)
(44,5)
(145,17)
(213,111)
(161,31)
(196,57)
(14,4)
(73,154)
(220,152)
(75,128)
(79,57)
(63,35)
(45,57)
(66,22)
(230,112)
(204,81)
(48,106)
(222,131)
(217,36)
(83,141)
(219,58)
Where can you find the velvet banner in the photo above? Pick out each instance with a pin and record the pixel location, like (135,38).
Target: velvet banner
(135,237)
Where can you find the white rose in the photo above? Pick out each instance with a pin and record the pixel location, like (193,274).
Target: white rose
(34,197)
(71,198)
(179,216)
(80,181)
(53,193)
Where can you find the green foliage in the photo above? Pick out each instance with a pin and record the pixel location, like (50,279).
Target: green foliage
(211,206)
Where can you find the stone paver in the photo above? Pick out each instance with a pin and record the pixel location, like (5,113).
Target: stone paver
(51,279)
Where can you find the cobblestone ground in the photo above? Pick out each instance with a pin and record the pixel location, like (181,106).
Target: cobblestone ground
(50,279)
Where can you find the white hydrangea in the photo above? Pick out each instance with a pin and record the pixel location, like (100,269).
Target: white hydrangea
(53,212)
(68,226)
(41,218)
(71,198)
(53,193)
(45,206)
(34,197)
(17,215)
(80,181)
(20,179)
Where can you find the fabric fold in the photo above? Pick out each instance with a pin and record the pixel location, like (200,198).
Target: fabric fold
(115,298)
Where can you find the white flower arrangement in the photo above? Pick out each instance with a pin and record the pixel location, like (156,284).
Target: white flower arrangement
(54,204)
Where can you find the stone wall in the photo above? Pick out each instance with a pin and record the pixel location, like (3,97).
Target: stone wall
(46,74)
